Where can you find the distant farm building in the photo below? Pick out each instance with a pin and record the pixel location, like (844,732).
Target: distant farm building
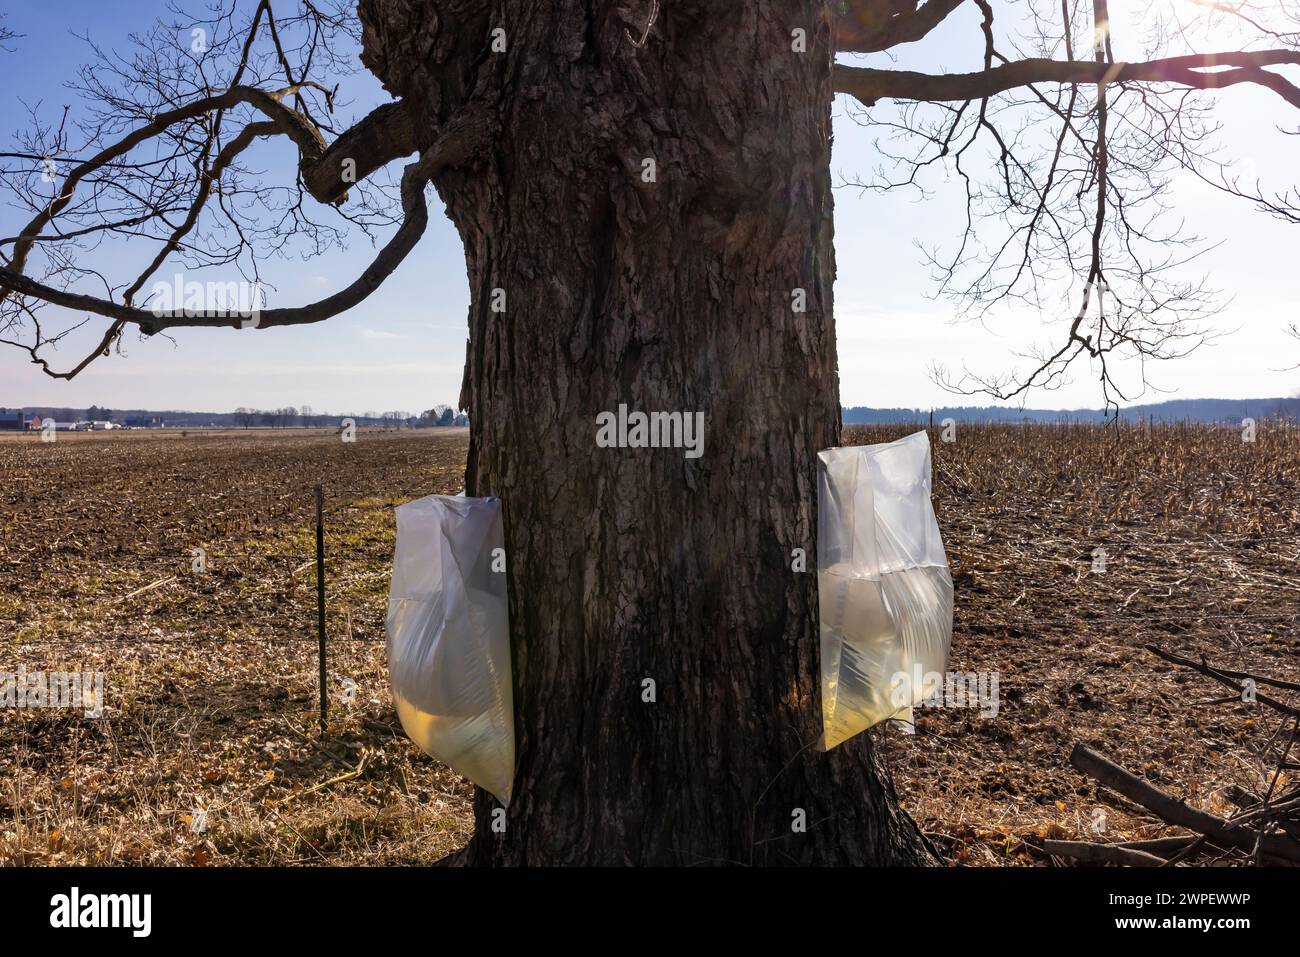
(12,420)
(48,424)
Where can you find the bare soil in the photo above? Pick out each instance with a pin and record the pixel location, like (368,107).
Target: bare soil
(209,750)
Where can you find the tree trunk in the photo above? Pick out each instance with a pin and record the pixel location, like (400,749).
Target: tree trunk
(670,287)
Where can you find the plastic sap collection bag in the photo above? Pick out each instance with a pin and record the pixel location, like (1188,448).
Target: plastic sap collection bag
(449,638)
(884,588)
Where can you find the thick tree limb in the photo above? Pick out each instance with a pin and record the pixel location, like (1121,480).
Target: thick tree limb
(866,27)
(387,133)
(1204,71)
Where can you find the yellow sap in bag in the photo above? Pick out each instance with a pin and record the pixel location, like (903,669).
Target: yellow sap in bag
(884,589)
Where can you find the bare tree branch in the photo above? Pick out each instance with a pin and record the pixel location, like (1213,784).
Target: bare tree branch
(457,145)
(193,174)
(870,85)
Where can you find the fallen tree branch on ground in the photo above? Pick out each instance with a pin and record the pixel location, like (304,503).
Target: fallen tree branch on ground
(1174,811)
(1091,853)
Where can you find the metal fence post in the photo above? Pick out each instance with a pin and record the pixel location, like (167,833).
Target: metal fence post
(320,602)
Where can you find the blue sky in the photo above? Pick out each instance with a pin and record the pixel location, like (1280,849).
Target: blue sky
(404,347)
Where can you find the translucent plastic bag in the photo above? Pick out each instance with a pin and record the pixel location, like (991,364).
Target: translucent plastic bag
(449,639)
(884,588)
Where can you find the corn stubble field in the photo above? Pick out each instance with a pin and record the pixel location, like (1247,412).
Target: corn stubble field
(209,753)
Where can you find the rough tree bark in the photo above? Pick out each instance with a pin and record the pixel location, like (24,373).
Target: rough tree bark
(672,295)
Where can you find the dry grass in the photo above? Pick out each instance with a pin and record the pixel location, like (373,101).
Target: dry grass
(211,678)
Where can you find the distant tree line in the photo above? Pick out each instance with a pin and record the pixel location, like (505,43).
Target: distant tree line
(274,418)
(289,417)
(441,415)
(1172,410)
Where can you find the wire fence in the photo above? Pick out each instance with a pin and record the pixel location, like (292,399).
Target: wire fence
(208,566)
